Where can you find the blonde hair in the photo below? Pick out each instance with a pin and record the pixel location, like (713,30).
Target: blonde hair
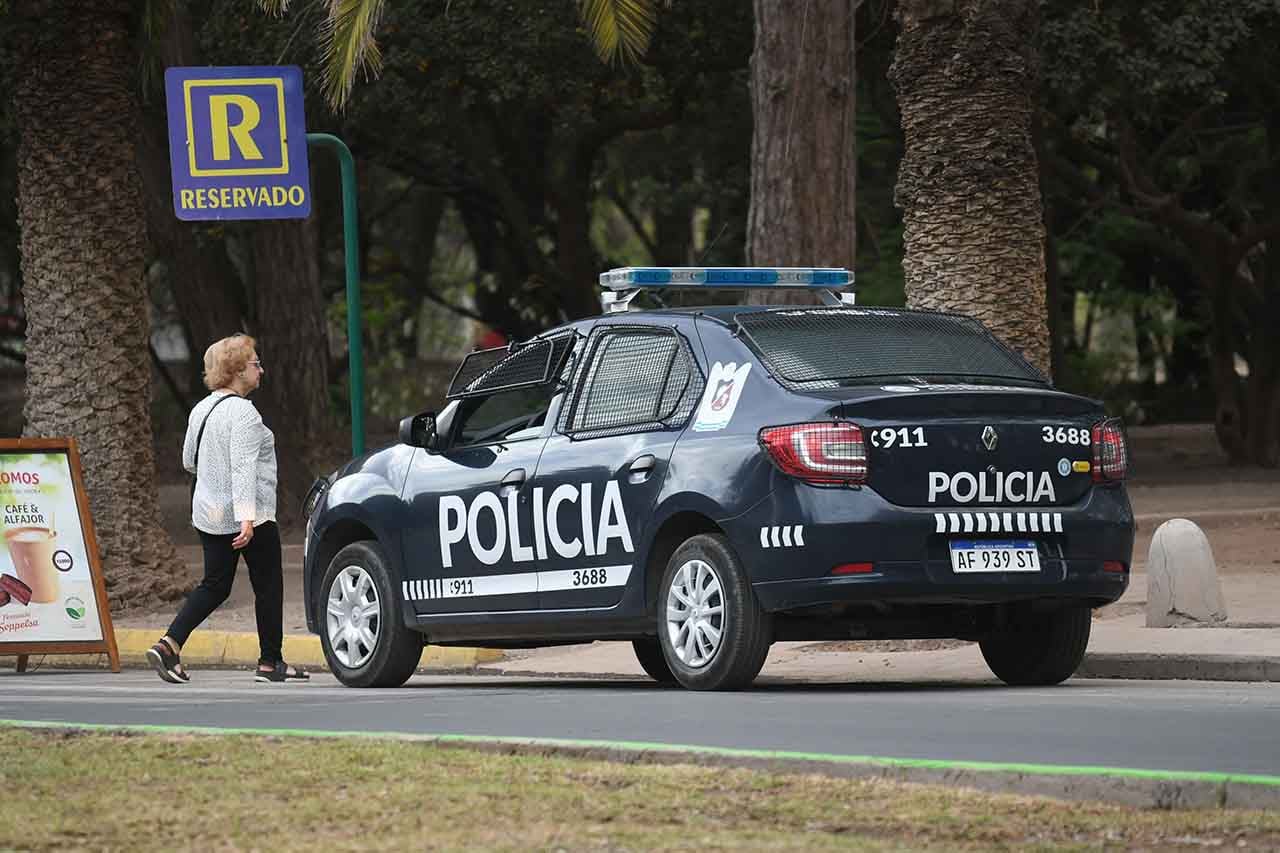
(225,358)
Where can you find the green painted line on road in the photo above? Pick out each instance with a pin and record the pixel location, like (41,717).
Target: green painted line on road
(666,748)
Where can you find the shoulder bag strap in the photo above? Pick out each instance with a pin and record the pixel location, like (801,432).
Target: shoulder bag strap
(200,436)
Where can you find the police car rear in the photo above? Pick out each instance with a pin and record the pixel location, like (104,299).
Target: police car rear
(943,489)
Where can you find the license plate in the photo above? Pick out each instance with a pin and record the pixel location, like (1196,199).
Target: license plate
(985,555)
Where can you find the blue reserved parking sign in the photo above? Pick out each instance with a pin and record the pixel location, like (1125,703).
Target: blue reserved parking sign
(238,142)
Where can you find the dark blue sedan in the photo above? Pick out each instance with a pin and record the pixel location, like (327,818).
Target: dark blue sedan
(704,481)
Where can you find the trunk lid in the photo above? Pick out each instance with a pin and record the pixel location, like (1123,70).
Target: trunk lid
(977,447)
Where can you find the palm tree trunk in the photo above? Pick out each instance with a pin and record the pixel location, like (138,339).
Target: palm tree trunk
(803,164)
(84,239)
(965,75)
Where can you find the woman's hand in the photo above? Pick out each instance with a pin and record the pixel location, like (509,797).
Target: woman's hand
(246,533)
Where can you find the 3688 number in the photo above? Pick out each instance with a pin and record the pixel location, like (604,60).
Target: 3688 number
(590,577)
(1066,435)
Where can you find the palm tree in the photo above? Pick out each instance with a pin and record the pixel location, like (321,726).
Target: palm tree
(620,31)
(83,246)
(968,185)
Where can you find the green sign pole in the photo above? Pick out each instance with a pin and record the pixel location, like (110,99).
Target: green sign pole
(351,250)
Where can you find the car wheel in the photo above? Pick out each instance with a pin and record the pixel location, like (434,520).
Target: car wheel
(1039,648)
(652,660)
(713,632)
(363,636)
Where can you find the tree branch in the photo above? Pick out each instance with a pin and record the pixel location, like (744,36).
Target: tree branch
(389,270)
(618,122)
(393,203)
(1256,234)
(636,225)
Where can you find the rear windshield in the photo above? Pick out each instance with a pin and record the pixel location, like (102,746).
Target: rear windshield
(828,347)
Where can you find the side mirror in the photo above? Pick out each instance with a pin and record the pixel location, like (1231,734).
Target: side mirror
(418,430)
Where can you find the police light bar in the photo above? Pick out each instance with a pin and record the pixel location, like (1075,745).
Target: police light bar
(623,284)
(629,278)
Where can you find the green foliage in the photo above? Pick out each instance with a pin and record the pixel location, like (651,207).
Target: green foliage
(880,280)
(1163,185)
(879,145)
(1146,57)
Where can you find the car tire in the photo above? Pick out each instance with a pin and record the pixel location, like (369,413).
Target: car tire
(1039,649)
(653,661)
(365,606)
(708,575)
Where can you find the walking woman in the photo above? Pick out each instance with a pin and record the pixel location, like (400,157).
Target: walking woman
(233,508)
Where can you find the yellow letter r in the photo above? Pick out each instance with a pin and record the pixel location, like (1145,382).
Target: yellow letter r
(222,131)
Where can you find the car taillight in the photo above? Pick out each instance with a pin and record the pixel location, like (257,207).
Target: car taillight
(818,452)
(1110,453)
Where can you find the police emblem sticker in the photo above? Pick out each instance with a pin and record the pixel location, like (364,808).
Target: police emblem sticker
(720,399)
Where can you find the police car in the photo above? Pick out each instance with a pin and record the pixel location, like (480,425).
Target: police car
(706,481)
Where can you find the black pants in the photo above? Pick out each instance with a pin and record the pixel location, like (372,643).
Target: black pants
(262,554)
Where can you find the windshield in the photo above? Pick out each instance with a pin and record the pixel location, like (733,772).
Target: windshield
(828,347)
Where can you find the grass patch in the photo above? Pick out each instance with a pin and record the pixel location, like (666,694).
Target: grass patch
(71,790)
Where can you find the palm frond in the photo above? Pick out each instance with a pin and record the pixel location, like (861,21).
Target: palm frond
(275,8)
(349,47)
(620,29)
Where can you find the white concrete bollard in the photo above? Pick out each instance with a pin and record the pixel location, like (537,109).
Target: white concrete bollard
(1182,578)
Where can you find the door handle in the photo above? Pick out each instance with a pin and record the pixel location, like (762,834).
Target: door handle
(513,481)
(643,463)
(640,469)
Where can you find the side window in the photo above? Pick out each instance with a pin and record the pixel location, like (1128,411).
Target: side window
(506,415)
(521,386)
(636,379)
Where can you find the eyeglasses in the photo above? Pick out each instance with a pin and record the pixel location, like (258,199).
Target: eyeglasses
(257,363)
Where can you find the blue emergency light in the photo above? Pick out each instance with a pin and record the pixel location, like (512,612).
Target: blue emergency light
(623,284)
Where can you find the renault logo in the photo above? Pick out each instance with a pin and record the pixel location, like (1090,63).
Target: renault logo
(989,438)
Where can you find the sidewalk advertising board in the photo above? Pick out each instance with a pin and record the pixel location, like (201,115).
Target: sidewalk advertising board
(52,595)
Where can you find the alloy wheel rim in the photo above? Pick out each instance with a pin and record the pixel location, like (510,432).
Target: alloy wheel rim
(695,613)
(352,614)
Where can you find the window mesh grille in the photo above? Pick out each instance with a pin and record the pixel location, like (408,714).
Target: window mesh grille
(499,369)
(823,346)
(637,379)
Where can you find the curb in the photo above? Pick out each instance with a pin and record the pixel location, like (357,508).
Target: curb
(240,649)
(1180,666)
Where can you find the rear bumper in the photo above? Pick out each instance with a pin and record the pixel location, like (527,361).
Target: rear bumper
(908,549)
(933,582)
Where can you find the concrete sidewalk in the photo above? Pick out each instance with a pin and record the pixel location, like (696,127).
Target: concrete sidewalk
(1118,648)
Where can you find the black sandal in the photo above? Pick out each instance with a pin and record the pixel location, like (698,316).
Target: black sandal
(166,663)
(280,673)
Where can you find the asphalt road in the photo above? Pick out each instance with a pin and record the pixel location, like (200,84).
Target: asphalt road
(1197,726)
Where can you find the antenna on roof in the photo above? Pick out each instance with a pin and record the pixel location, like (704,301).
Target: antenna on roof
(833,284)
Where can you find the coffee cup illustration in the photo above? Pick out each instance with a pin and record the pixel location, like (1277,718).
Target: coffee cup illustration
(32,549)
